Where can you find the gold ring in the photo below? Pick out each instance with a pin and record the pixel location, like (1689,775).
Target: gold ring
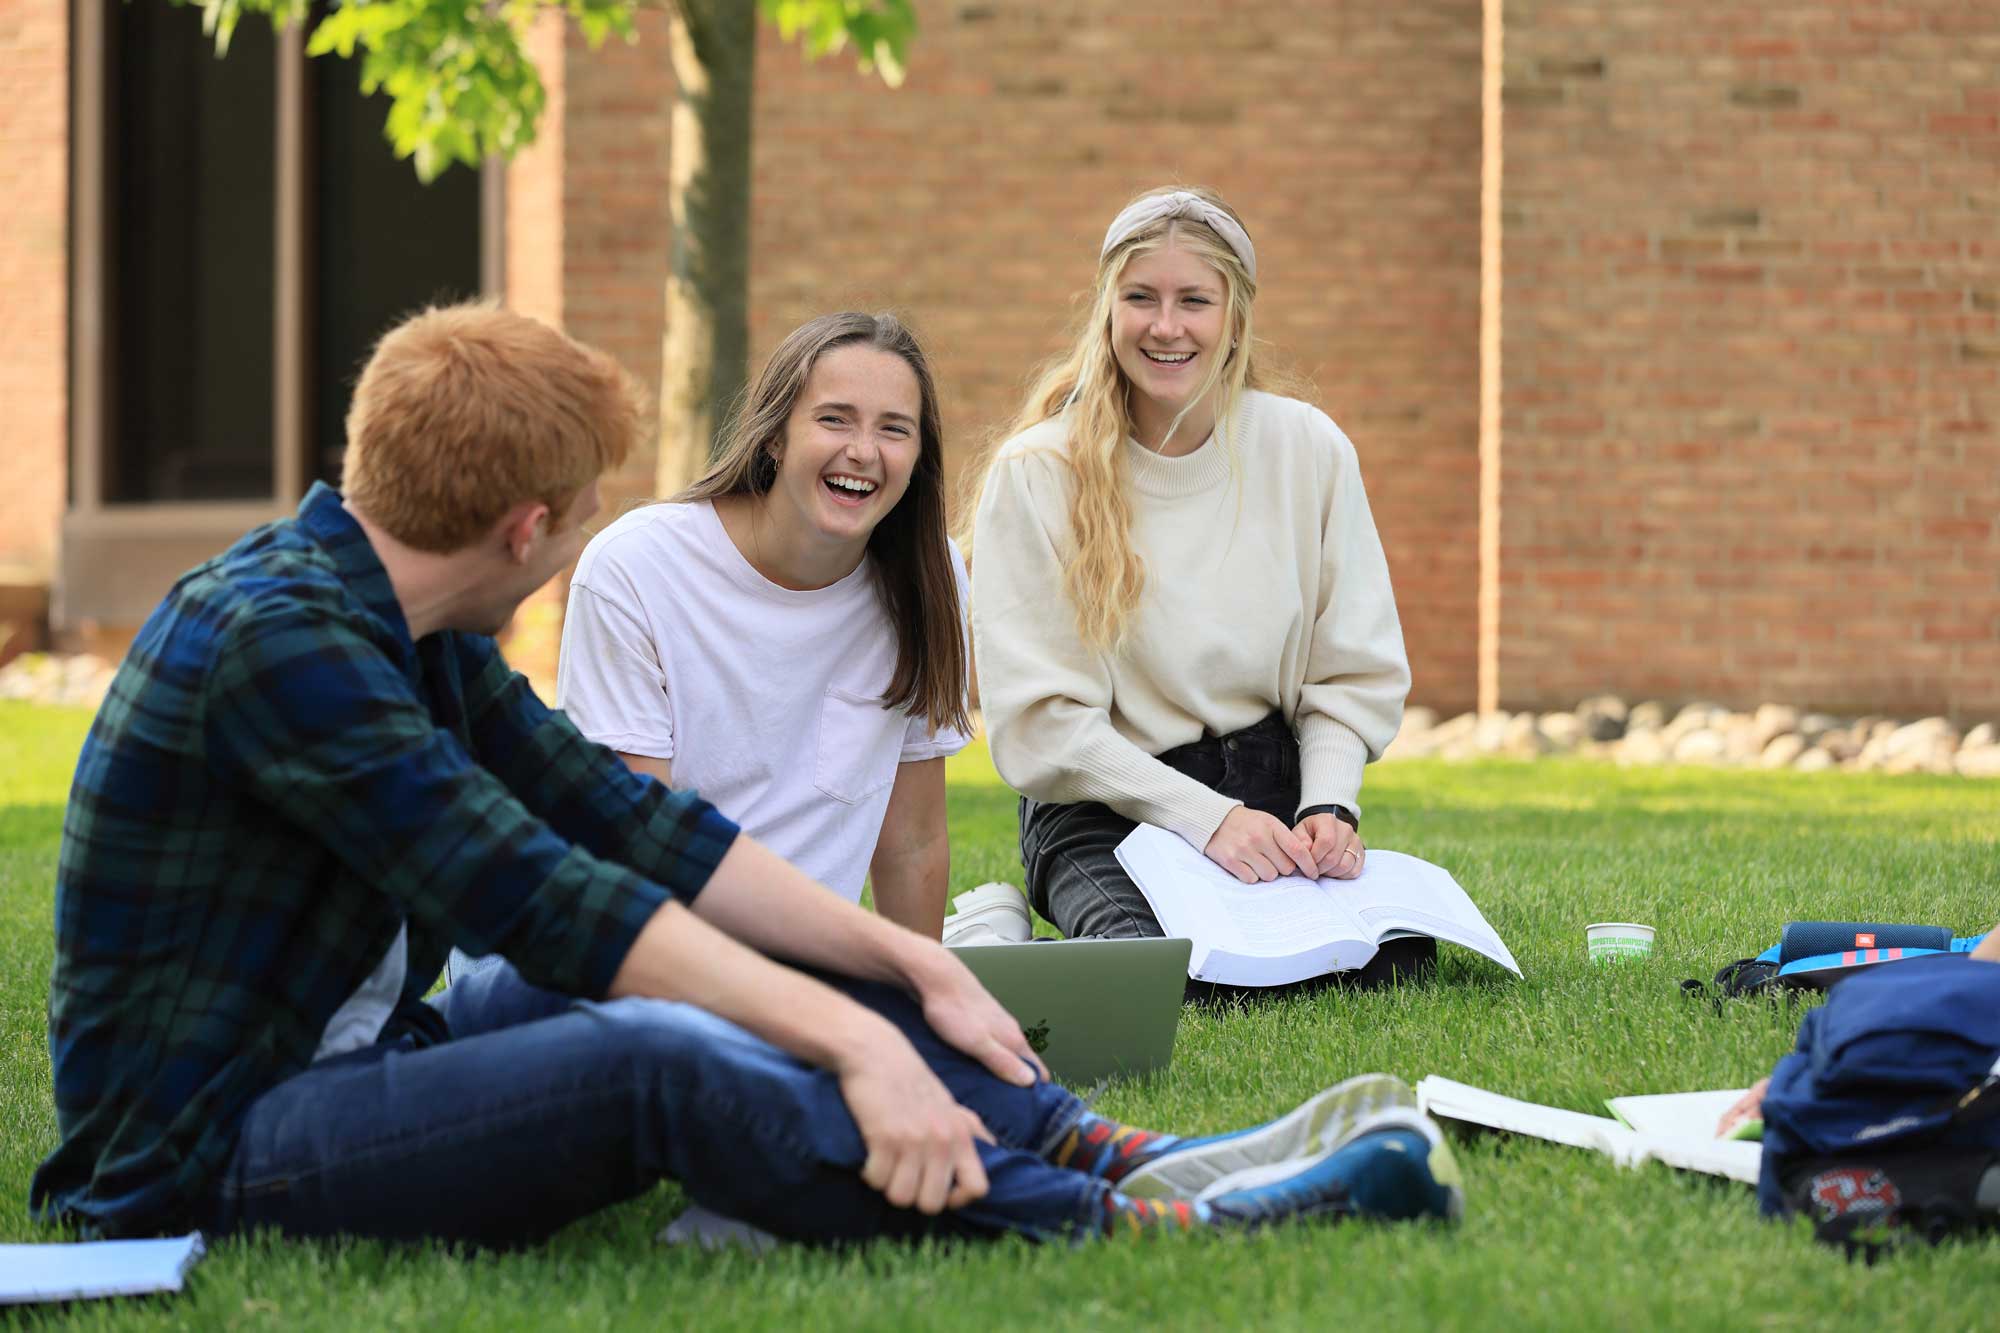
(1351,852)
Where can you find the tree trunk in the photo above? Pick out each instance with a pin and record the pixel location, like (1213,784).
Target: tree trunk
(707,343)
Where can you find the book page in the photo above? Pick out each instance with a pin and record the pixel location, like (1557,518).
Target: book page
(1452,1100)
(1194,897)
(1396,892)
(1680,1115)
(1733,1159)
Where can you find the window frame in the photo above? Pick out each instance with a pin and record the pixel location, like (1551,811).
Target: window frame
(116,560)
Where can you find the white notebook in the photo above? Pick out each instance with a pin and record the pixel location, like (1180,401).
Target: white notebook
(90,1269)
(1685,1115)
(1292,928)
(1678,1142)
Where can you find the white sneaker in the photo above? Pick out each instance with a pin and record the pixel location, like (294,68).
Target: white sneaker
(990,914)
(1315,1128)
(713,1231)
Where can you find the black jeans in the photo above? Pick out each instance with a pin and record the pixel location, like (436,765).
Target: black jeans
(1070,850)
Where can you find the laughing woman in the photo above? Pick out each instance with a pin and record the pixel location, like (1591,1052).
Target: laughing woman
(1181,609)
(787,635)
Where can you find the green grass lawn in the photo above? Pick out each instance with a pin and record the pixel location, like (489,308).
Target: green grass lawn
(1716,860)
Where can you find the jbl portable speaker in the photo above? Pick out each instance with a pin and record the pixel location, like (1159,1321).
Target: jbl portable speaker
(1805,939)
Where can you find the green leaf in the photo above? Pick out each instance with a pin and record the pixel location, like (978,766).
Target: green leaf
(879,31)
(460,85)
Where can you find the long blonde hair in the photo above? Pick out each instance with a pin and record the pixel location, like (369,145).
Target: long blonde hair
(1104,576)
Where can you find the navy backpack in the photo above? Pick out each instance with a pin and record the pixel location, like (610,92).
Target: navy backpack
(1888,1111)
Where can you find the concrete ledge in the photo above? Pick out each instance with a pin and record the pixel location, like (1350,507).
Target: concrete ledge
(24,614)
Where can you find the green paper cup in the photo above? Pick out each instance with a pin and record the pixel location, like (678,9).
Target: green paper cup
(1608,940)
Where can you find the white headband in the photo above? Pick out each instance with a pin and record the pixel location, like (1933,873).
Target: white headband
(1182,204)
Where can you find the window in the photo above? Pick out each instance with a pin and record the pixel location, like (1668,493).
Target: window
(189,265)
(241,233)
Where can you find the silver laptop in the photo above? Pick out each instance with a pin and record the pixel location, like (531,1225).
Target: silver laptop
(1090,1008)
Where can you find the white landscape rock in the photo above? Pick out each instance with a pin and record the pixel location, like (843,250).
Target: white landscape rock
(1523,739)
(1982,762)
(1490,732)
(1693,718)
(1461,725)
(1920,737)
(79,681)
(1772,721)
(1705,746)
(1742,738)
(1648,716)
(1770,736)
(1642,747)
(1874,754)
(1783,750)
(1562,731)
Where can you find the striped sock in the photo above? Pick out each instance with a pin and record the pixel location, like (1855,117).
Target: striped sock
(1108,1150)
(1122,1216)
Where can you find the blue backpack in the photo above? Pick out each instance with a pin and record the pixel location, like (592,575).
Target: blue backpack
(1888,1111)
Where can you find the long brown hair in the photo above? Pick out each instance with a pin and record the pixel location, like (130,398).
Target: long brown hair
(913,567)
(1104,575)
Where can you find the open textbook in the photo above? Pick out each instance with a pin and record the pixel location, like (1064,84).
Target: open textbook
(1292,928)
(1680,1139)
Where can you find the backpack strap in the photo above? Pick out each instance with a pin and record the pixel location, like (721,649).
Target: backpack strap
(1745,976)
(1981,1102)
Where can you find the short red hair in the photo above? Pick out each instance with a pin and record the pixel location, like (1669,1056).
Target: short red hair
(465,411)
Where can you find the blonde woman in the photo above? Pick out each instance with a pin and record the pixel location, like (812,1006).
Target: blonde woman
(1181,610)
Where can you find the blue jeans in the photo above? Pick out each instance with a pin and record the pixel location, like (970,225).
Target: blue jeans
(542,1108)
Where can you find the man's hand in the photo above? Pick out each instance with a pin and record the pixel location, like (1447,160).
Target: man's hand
(1335,847)
(958,1009)
(1989,948)
(1253,846)
(919,1140)
(1747,1107)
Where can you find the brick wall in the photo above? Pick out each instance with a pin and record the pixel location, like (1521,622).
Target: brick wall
(1750,366)
(34,127)
(972,200)
(616,239)
(974,197)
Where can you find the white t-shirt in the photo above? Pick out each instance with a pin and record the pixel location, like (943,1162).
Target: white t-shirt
(358,1022)
(767,701)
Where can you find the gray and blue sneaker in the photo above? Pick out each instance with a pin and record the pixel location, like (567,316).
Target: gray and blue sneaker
(1397,1170)
(1313,1129)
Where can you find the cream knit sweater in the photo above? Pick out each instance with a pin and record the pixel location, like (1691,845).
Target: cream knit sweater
(1266,589)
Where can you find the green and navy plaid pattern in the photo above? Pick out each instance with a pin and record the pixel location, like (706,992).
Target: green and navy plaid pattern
(277,782)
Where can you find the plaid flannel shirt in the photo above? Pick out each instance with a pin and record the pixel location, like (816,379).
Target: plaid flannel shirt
(278,781)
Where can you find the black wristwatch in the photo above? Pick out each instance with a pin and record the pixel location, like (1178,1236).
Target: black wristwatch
(1340,812)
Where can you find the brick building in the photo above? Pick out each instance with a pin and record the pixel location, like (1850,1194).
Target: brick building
(1669,333)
